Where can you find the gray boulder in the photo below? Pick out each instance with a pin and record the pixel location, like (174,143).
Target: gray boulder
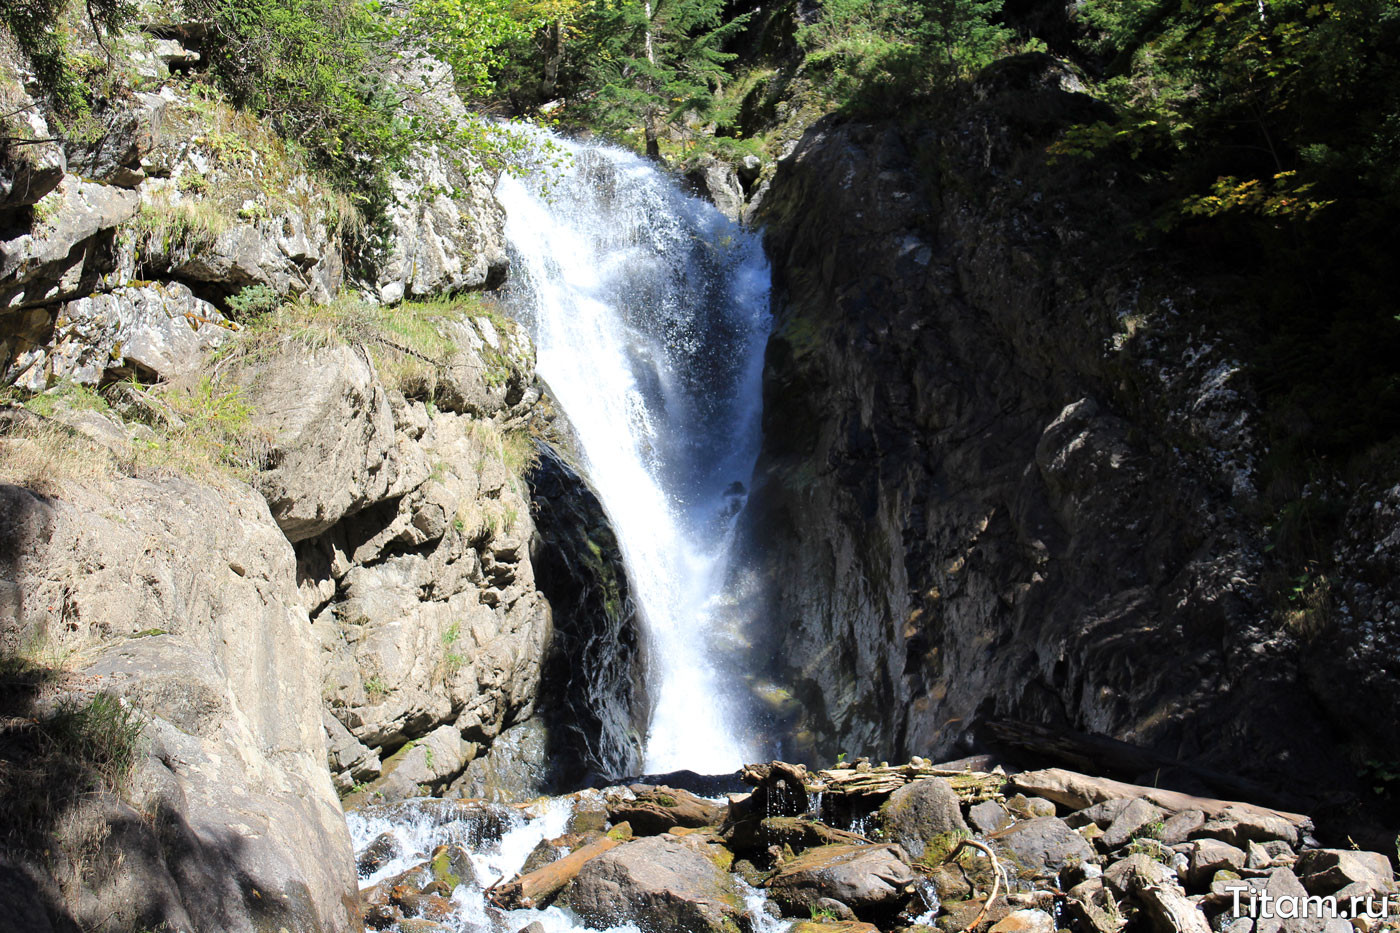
(662,884)
(333,449)
(869,879)
(180,599)
(1041,847)
(719,182)
(1207,856)
(1137,818)
(1345,873)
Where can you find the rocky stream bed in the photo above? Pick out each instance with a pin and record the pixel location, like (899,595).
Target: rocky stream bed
(862,849)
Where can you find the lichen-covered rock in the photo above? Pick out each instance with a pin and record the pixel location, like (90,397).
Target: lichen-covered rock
(448,228)
(113,155)
(227,206)
(157,330)
(69,245)
(921,810)
(28,172)
(662,884)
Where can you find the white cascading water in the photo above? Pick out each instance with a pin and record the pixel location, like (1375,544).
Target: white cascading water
(649,311)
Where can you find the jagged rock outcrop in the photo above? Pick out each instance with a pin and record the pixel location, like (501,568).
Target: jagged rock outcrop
(448,229)
(1003,475)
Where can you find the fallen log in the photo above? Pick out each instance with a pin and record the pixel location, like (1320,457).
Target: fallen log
(1077,791)
(539,887)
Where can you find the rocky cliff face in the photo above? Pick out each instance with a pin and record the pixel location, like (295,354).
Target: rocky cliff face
(281,563)
(1007,472)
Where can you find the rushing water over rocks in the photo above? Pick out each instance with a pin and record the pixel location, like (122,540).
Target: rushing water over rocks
(650,314)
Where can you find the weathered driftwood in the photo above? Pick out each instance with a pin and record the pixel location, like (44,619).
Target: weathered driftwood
(971,786)
(538,887)
(866,780)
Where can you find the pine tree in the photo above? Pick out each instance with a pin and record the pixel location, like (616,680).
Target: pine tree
(658,59)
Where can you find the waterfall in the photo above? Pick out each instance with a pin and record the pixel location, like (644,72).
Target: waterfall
(649,310)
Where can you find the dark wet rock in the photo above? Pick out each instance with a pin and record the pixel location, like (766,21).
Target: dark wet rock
(960,452)
(384,849)
(656,809)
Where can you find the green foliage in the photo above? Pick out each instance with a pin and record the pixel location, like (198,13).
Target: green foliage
(1269,137)
(40,31)
(251,301)
(654,61)
(311,66)
(376,689)
(871,53)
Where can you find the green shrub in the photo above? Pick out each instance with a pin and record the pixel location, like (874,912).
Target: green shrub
(252,301)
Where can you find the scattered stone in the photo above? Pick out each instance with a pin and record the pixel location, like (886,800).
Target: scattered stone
(832,926)
(1029,807)
(1240,825)
(655,810)
(1182,825)
(1041,847)
(1025,921)
(838,909)
(663,885)
(1101,815)
(383,850)
(1138,818)
(988,817)
(1344,873)
(1126,877)
(1208,856)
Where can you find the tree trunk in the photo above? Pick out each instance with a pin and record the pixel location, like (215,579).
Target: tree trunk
(553,58)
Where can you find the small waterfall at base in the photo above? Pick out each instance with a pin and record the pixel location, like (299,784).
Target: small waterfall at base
(649,311)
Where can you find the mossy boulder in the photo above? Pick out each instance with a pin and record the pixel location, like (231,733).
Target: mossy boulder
(920,811)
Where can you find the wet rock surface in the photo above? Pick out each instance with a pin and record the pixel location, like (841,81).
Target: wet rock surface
(983,494)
